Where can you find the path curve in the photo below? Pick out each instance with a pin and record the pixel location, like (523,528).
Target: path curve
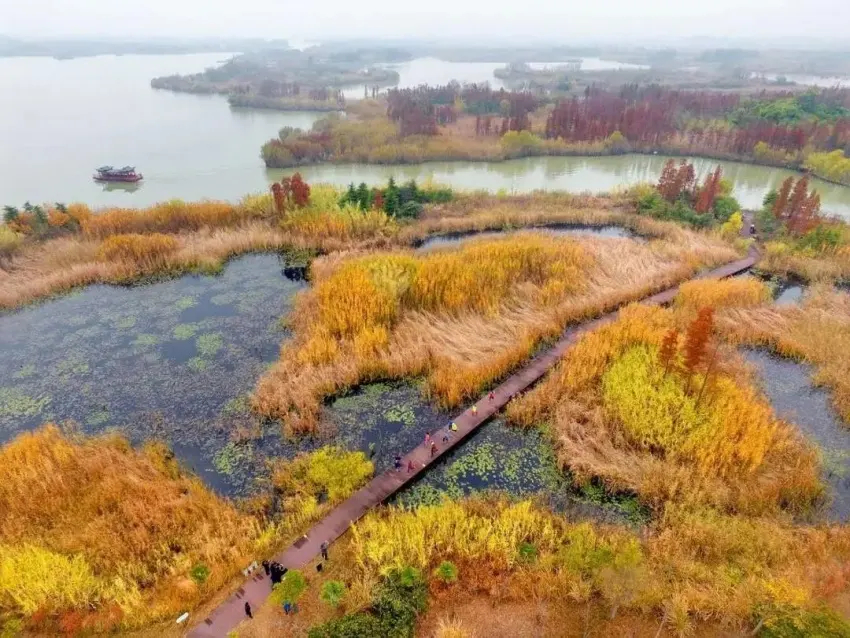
(231,612)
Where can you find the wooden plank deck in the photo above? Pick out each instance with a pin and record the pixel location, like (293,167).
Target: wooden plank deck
(231,612)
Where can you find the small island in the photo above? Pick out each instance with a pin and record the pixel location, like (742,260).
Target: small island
(288,79)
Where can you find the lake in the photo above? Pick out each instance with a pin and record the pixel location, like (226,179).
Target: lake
(93,111)
(70,116)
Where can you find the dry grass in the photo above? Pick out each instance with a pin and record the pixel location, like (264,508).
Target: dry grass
(815,266)
(693,565)
(168,217)
(445,329)
(740,458)
(818,331)
(136,524)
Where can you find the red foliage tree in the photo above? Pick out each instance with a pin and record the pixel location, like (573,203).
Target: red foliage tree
(669,349)
(300,191)
(782,197)
(696,340)
(708,192)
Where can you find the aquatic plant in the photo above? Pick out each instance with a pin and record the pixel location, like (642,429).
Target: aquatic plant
(185,331)
(185,302)
(209,344)
(146,252)
(14,403)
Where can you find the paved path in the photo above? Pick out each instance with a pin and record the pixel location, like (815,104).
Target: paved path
(232,611)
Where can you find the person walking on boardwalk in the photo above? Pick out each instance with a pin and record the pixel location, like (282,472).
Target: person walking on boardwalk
(248,610)
(474,409)
(397,463)
(410,466)
(433,449)
(453,427)
(427,438)
(324,548)
(266,567)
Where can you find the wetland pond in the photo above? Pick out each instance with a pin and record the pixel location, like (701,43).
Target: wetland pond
(172,360)
(453,239)
(788,386)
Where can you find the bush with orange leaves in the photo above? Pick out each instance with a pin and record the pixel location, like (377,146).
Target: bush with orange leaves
(689,430)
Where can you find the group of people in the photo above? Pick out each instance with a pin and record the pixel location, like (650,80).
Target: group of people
(431,444)
(275,570)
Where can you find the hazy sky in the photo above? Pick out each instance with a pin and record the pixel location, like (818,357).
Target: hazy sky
(559,20)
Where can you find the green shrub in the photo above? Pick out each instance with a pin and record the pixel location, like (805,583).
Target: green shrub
(409,210)
(200,573)
(822,623)
(349,626)
(398,601)
(446,572)
(290,589)
(528,552)
(332,592)
(821,238)
(724,207)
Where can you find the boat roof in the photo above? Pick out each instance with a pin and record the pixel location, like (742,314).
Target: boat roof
(109,169)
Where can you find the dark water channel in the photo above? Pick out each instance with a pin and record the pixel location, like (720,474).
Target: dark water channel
(452,239)
(788,386)
(173,360)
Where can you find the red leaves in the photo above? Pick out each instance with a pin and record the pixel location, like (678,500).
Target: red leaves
(708,192)
(676,181)
(291,190)
(669,349)
(697,338)
(799,209)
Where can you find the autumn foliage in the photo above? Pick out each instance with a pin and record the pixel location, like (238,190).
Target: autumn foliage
(94,534)
(794,206)
(697,433)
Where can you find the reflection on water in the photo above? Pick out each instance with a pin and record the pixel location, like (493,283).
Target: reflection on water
(788,386)
(453,239)
(789,294)
(575,174)
(173,360)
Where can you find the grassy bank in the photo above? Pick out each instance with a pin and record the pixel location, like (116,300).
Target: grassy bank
(97,536)
(462,317)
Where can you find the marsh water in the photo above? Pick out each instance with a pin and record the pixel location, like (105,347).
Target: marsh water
(171,360)
(789,388)
(88,112)
(453,239)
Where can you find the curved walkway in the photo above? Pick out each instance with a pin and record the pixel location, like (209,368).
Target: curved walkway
(231,612)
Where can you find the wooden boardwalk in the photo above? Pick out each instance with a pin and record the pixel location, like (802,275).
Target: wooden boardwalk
(231,612)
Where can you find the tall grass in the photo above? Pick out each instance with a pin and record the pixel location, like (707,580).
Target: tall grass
(461,318)
(694,564)
(167,217)
(95,531)
(817,331)
(617,413)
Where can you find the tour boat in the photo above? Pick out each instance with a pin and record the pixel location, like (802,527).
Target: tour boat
(109,174)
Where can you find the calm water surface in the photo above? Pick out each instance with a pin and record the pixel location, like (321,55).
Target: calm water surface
(101,110)
(71,116)
(788,386)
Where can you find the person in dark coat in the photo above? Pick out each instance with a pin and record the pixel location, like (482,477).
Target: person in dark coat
(266,567)
(248,610)
(324,548)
